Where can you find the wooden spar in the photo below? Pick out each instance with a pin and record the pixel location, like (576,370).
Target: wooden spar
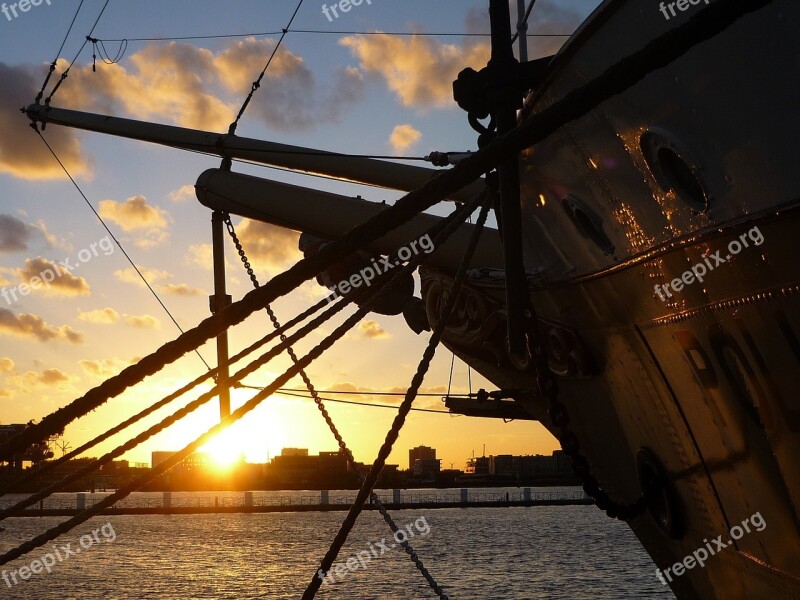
(331,216)
(368,171)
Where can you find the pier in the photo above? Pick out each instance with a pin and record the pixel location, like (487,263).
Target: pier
(170,504)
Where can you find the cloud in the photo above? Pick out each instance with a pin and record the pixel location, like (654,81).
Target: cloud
(14,234)
(420,71)
(52,377)
(290,98)
(182,194)
(142,321)
(403,137)
(130,275)
(6,365)
(65,283)
(182,289)
(104,368)
(47,378)
(195,87)
(32,326)
(372,330)
(165,82)
(268,246)
(133,214)
(22,154)
(202,255)
(102,316)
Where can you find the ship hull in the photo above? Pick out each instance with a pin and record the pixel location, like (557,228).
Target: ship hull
(690,172)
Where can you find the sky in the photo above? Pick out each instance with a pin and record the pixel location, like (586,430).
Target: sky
(377,95)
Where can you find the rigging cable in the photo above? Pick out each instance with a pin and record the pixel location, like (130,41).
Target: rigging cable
(443,229)
(65,74)
(391,437)
(55,60)
(523,25)
(257,82)
(119,244)
(353,402)
(322,32)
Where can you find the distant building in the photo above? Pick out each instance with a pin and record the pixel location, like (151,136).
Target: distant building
(294,452)
(420,453)
(426,469)
(199,461)
(295,469)
(158,457)
(477,465)
(508,468)
(501,466)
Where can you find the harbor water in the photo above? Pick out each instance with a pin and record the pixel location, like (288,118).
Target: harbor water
(546,552)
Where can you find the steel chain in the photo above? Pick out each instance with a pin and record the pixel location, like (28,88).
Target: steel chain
(331,425)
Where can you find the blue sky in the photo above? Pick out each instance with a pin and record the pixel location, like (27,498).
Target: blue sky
(335,92)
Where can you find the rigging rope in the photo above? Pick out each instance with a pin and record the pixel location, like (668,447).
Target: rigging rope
(117,242)
(49,467)
(457,217)
(375,294)
(176,416)
(257,82)
(391,437)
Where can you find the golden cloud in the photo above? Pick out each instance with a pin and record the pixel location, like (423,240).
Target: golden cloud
(182,194)
(22,154)
(202,255)
(6,365)
(32,326)
(419,70)
(372,330)
(130,275)
(64,283)
(182,289)
(268,246)
(135,213)
(104,368)
(403,137)
(142,321)
(102,316)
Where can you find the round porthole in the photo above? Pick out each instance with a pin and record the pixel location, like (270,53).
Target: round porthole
(587,222)
(674,170)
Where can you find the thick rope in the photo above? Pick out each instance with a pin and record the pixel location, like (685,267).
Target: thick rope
(176,416)
(374,294)
(391,437)
(49,467)
(673,44)
(456,218)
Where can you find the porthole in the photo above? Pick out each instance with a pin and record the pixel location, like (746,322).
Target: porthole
(587,222)
(674,170)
